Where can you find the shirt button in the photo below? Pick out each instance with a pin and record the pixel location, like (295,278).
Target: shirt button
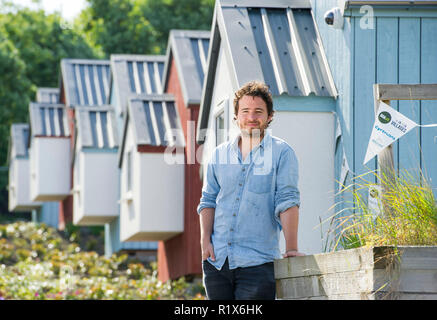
(238,199)
(240,184)
(229,243)
(234,214)
(244,169)
(232,229)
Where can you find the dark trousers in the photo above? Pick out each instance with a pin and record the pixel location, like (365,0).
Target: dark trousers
(250,283)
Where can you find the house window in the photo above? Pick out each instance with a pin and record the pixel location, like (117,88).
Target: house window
(220,128)
(129,171)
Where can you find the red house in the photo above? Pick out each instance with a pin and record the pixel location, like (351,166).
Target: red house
(184,70)
(83,83)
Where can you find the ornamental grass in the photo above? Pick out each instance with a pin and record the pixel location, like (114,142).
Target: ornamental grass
(405,214)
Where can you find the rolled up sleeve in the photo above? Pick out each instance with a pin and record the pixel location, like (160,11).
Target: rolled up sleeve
(210,188)
(287,193)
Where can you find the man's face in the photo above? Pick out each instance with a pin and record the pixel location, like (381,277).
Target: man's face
(252,117)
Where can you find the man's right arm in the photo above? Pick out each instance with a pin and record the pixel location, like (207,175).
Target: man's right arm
(206,227)
(206,210)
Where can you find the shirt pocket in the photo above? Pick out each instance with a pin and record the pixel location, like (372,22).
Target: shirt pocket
(260,183)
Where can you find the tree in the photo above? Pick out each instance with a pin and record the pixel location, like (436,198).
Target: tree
(141,26)
(165,15)
(42,41)
(117,26)
(32,44)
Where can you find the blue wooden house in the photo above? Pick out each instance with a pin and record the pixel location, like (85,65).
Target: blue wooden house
(385,42)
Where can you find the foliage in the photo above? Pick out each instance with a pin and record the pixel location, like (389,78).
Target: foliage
(43,40)
(173,14)
(36,263)
(140,26)
(32,43)
(406,214)
(116,26)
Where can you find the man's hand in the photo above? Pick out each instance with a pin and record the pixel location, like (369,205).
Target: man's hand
(207,250)
(206,227)
(292,253)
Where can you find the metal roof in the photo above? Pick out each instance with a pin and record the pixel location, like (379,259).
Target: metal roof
(47,95)
(155,120)
(278,44)
(189,48)
(263,3)
(49,120)
(96,127)
(19,140)
(351,3)
(85,82)
(135,74)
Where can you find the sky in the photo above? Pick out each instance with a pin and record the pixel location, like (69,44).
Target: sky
(69,9)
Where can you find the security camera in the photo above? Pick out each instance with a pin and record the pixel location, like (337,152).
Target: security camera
(334,18)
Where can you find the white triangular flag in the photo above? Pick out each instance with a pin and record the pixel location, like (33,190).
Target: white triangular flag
(389,126)
(344,171)
(374,200)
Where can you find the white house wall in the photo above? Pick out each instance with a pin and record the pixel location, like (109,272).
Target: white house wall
(97,188)
(223,95)
(50,174)
(311,135)
(129,201)
(19,186)
(162,196)
(153,210)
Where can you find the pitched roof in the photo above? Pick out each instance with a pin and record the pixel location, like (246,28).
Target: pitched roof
(96,127)
(135,74)
(155,121)
(353,3)
(49,120)
(85,82)
(47,95)
(189,48)
(276,42)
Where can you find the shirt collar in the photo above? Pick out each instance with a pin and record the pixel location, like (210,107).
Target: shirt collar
(264,142)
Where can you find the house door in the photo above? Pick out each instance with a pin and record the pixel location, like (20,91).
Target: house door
(311,135)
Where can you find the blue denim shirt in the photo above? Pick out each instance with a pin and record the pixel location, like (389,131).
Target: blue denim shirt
(248,197)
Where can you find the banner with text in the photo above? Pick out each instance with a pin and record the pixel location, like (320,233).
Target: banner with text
(389,126)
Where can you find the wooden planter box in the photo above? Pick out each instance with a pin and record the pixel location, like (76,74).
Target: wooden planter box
(373,273)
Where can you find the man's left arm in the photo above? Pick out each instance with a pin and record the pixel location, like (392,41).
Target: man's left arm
(287,200)
(290,221)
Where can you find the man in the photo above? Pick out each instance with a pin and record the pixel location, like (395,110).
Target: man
(250,193)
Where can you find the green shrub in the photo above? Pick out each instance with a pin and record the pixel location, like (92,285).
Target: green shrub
(37,263)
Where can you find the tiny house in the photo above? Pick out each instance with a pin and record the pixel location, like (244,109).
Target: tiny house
(48,213)
(49,152)
(131,75)
(151,158)
(184,71)
(134,74)
(83,82)
(276,42)
(19,170)
(47,95)
(95,170)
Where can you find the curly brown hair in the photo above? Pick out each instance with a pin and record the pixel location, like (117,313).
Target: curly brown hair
(254,89)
